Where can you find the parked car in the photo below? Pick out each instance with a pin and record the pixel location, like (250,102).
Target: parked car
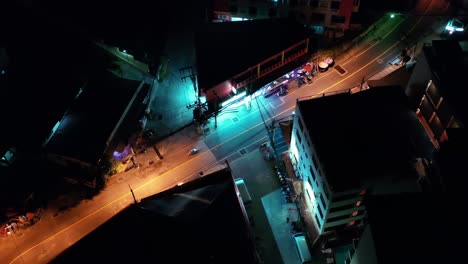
(274,89)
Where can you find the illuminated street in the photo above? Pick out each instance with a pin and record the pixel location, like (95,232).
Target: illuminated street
(236,130)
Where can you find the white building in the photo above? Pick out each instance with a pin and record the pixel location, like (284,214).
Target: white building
(347,145)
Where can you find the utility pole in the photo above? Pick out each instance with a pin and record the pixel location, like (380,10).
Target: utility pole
(216,109)
(134,199)
(157,152)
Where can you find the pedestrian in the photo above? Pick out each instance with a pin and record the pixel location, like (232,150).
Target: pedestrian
(287,220)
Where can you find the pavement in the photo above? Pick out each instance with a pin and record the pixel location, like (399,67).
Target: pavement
(269,214)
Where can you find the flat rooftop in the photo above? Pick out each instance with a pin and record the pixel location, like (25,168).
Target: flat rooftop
(198,222)
(364,135)
(90,120)
(226,49)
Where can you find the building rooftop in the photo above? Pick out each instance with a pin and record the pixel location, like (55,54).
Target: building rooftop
(41,82)
(91,119)
(409,229)
(365,135)
(224,50)
(198,222)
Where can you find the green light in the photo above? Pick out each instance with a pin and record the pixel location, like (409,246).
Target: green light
(392,15)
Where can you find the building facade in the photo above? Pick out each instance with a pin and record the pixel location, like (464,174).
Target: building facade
(329,209)
(319,15)
(251,63)
(90,131)
(343,155)
(434,88)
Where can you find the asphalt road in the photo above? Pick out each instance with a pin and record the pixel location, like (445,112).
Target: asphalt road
(372,56)
(53,234)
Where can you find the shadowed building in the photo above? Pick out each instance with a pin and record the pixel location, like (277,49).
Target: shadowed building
(348,145)
(235,59)
(404,229)
(436,89)
(105,112)
(319,15)
(202,221)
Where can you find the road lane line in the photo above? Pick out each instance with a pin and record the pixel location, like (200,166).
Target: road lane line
(374,43)
(202,153)
(103,207)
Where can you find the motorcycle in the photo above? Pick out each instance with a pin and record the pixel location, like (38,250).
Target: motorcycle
(193,151)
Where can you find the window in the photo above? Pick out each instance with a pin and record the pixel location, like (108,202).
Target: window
(318,221)
(323,3)
(298,137)
(323,201)
(338,19)
(358,203)
(308,194)
(319,209)
(335,5)
(314,160)
(355,213)
(312,173)
(299,120)
(325,190)
(351,223)
(308,180)
(317,18)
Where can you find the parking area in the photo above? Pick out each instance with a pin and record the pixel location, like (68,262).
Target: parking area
(272,218)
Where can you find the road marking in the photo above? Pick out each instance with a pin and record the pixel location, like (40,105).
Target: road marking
(354,57)
(105,206)
(202,153)
(377,42)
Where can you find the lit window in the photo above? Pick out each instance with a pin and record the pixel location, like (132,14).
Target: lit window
(358,203)
(351,223)
(355,213)
(363,192)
